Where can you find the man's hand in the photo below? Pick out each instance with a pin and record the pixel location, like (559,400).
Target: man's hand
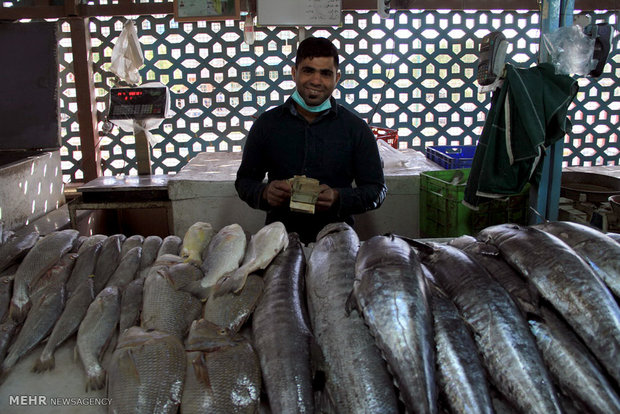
(327,197)
(277,193)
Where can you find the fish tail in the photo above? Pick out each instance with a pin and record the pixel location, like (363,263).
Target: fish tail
(96,379)
(18,312)
(45,362)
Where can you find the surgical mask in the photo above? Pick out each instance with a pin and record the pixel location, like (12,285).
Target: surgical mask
(320,108)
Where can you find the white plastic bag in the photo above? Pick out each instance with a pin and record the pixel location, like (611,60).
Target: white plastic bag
(127,56)
(391,157)
(570,50)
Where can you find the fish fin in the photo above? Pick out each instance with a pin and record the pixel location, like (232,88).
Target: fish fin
(416,244)
(19,313)
(44,363)
(351,303)
(196,289)
(200,369)
(230,283)
(96,380)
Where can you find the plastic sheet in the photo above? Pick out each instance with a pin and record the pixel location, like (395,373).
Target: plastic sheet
(570,50)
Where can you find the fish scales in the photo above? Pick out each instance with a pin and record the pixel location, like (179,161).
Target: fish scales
(501,333)
(596,248)
(281,332)
(575,370)
(391,292)
(460,373)
(356,375)
(231,310)
(567,282)
(94,334)
(146,373)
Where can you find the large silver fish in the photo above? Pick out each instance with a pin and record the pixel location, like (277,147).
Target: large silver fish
(130,242)
(263,247)
(281,332)
(131,304)
(568,283)
(575,370)
(95,332)
(146,372)
(596,248)
(231,310)
(127,269)
(170,245)
(107,261)
(16,247)
(85,263)
(460,373)
(43,255)
(501,332)
(223,372)
(224,254)
(150,249)
(391,292)
(357,379)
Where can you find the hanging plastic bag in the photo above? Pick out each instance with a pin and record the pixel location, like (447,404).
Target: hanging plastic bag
(127,56)
(570,50)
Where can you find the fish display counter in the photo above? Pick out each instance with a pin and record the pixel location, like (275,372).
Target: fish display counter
(204,190)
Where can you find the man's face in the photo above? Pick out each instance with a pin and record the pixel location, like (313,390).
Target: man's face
(316,79)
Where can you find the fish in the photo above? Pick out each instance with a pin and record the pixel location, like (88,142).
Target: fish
(150,249)
(8,329)
(230,311)
(223,372)
(67,324)
(391,293)
(263,247)
(568,283)
(130,242)
(6,290)
(91,240)
(600,251)
(127,269)
(131,304)
(55,277)
(195,241)
(107,261)
(282,333)
(460,373)
(13,249)
(43,255)
(571,364)
(165,306)
(224,254)
(356,376)
(614,236)
(501,333)
(85,263)
(146,372)
(95,332)
(170,245)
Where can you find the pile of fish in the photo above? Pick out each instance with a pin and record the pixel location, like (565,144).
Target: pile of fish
(518,319)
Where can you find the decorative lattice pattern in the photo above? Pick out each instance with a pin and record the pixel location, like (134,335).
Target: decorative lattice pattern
(414,72)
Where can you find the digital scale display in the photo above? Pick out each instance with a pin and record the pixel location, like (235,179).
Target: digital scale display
(137,103)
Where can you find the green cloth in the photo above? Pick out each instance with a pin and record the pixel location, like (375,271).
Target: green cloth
(527,115)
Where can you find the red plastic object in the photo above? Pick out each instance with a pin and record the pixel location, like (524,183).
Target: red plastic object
(388,135)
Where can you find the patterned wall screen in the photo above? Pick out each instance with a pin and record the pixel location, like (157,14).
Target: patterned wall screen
(414,72)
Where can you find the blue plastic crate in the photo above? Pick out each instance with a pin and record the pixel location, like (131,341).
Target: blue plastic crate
(452,156)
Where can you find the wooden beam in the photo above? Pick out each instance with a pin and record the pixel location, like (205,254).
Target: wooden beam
(85,93)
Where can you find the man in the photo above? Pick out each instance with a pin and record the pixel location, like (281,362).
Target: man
(310,134)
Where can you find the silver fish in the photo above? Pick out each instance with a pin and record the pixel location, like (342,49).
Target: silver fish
(224,254)
(391,292)
(170,245)
(601,252)
(568,283)
(576,371)
(357,379)
(55,277)
(501,332)
(131,304)
(146,373)
(67,324)
(107,261)
(231,310)
(263,247)
(221,379)
(8,329)
(16,247)
(85,263)
(6,290)
(614,236)
(43,255)
(127,269)
(91,240)
(195,241)
(282,333)
(150,248)
(460,373)
(130,242)
(95,332)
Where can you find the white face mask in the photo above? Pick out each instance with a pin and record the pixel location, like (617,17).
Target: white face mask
(319,108)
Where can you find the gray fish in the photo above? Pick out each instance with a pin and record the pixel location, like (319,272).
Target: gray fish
(231,310)
(131,304)
(224,254)
(8,329)
(43,255)
(224,378)
(68,323)
(569,361)
(85,263)
(614,236)
(357,379)
(16,247)
(95,332)
(601,252)
(91,240)
(282,335)
(501,332)
(391,292)
(146,372)
(55,277)
(131,242)
(107,261)
(165,306)
(127,269)
(568,283)
(6,290)
(170,245)
(150,248)
(460,373)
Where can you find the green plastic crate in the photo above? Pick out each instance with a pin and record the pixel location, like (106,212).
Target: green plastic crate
(442,213)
